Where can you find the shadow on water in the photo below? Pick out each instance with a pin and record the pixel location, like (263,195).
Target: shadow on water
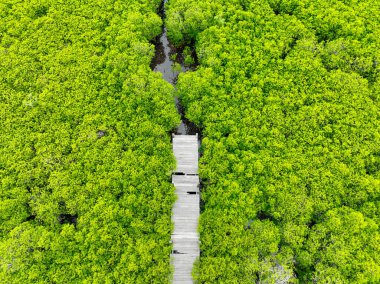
(170,61)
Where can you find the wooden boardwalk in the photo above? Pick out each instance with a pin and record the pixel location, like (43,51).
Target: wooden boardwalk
(185,216)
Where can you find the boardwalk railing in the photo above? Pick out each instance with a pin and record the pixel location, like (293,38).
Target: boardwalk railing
(185,216)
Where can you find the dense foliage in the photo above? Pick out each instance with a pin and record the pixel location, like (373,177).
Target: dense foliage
(85,155)
(287,95)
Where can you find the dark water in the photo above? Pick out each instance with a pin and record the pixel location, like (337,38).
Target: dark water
(169,60)
(163,62)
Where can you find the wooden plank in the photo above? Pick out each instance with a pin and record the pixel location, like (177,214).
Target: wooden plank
(185,180)
(185,149)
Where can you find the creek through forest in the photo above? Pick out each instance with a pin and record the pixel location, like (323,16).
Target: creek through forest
(167,60)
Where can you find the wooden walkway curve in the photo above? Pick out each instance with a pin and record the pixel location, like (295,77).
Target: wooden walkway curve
(185,216)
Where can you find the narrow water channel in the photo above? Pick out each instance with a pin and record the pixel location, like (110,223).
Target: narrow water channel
(167,60)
